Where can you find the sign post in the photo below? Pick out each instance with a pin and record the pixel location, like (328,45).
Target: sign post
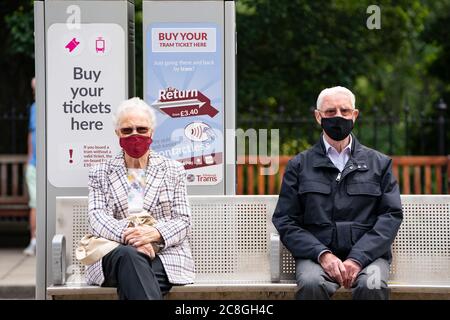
(84,69)
(189,79)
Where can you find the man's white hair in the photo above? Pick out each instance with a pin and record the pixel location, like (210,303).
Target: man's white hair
(332,91)
(134,105)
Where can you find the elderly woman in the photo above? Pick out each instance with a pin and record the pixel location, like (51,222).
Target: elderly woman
(139,180)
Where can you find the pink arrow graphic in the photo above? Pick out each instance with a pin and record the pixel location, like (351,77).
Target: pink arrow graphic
(178,108)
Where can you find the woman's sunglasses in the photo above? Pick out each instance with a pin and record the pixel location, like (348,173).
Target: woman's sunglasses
(130,130)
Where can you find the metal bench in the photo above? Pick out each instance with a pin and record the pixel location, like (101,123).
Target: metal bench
(238,254)
(421,250)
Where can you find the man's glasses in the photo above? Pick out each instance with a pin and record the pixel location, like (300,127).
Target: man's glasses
(331,112)
(130,130)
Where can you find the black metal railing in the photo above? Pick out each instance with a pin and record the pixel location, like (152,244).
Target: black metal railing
(390,132)
(13,130)
(393,133)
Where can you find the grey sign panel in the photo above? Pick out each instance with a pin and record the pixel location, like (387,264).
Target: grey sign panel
(84,68)
(189,79)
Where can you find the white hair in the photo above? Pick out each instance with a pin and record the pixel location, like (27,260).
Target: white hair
(331,91)
(134,105)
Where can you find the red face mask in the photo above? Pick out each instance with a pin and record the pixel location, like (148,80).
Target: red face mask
(136,145)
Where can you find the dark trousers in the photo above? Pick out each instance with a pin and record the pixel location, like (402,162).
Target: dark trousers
(313,283)
(134,274)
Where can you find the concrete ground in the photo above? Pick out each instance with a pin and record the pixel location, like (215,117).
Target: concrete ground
(17,274)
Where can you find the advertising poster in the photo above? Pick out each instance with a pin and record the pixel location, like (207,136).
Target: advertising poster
(185,87)
(86,82)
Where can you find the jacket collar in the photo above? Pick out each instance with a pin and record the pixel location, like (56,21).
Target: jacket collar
(357,154)
(155,172)
(328,146)
(118,162)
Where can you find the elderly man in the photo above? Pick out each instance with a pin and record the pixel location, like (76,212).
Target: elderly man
(339,208)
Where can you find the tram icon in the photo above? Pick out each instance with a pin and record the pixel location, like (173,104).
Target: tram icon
(100,45)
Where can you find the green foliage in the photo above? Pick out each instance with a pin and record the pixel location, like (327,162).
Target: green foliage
(290,50)
(294,146)
(17,58)
(437,32)
(20,26)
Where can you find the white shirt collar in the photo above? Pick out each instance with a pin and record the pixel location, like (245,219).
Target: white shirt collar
(328,146)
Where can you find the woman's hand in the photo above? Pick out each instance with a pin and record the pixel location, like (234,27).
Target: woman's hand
(142,235)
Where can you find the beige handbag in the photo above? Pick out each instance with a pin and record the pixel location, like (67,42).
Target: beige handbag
(92,248)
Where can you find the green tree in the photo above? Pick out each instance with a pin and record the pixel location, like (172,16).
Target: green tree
(290,50)
(17,69)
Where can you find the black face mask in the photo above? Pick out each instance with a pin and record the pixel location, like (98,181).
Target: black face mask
(337,128)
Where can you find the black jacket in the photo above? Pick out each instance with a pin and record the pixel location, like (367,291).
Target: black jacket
(355,214)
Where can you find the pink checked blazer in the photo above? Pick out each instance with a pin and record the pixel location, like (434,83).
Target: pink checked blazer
(164,197)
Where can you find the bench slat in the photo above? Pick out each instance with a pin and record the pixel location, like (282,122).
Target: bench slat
(240,177)
(13,202)
(242,291)
(417,178)
(427,179)
(448,175)
(280,176)
(271,179)
(406,183)
(439,179)
(250,179)
(411,169)
(4,180)
(15,179)
(261,178)
(419,160)
(395,171)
